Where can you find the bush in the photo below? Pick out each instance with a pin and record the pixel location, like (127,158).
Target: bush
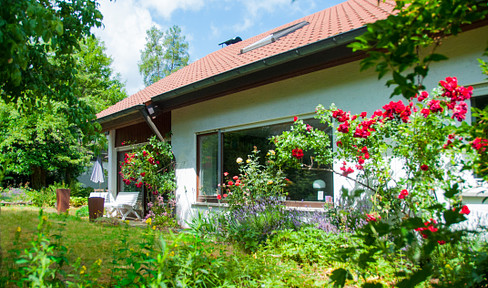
(82,212)
(309,245)
(75,201)
(46,197)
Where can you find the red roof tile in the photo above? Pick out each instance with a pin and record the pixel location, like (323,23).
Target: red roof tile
(335,20)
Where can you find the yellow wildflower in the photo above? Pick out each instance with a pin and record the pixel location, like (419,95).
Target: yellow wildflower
(248,161)
(148,221)
(154,227)
(83,269)
(19,229)
(99,262)
(270,182)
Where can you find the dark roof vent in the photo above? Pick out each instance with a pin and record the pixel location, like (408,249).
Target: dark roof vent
(231,41)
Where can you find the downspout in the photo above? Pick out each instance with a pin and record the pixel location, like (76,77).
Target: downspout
(151,124)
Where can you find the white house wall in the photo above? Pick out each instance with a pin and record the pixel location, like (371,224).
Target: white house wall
(345,86)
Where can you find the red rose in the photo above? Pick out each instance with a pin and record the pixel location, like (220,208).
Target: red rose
(225,195)
(297,153)
(219,197)
(424,167)
(295,119)
(465,210)
(403,194)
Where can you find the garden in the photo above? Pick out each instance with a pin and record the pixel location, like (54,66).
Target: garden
(399,228)
(403,225)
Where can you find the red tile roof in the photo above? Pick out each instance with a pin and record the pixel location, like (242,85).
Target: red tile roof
(335,20)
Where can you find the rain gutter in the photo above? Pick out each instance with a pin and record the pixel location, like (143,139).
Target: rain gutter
(121,113)
(310,49)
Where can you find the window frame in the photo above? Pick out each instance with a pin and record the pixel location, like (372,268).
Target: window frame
(204,199)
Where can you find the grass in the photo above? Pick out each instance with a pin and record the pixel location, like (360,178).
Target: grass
(89,241)
(102,241)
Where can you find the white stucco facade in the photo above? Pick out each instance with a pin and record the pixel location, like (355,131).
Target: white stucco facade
(279,102)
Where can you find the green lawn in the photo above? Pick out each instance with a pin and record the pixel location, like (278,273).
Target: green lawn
(89,241)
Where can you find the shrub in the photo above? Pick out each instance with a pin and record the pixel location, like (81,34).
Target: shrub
(162,213)
(82,212)
(75,201)
(46,197)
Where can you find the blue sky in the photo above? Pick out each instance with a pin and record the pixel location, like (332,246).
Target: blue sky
(204,23)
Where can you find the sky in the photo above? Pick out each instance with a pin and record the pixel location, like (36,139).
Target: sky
(204,23)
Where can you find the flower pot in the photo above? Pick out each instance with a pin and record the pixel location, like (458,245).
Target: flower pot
(62,199)
(95,207)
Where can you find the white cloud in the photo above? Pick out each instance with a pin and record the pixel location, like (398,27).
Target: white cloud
(165,8)
(124,34)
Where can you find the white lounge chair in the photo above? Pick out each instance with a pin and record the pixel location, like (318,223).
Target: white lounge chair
(124,204)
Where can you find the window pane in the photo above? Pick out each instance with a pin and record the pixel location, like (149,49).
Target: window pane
(208,164)
(306,185)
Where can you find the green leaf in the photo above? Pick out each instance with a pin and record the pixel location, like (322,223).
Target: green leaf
(435,57)
(417,277)
(339,277)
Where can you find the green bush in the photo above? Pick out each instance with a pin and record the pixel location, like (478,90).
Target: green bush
(309,245)
(75,201)
(82,212)
(46,197)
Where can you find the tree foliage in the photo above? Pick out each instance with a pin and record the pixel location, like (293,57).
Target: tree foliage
(397,45)
(41,147)
(37,42)
(164,54)
(97,84)
(54,76)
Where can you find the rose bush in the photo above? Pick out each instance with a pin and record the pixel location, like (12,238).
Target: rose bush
(406,157)
(256,181)
(152,166)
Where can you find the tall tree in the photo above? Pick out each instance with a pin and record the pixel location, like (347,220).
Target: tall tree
(41,147)
(164,54)
(98,85)
(37,41)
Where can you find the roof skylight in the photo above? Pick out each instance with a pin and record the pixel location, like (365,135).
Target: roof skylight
(274,37)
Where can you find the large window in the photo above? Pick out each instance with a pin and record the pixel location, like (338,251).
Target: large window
(217,153)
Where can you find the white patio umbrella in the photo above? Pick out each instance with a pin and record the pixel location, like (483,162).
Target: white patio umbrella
(97,174)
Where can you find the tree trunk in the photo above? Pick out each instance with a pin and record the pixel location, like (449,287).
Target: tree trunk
(38,178)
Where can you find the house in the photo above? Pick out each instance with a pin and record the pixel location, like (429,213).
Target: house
(221,106)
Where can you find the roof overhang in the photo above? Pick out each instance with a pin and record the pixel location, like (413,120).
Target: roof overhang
(123,118)
(312,57)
